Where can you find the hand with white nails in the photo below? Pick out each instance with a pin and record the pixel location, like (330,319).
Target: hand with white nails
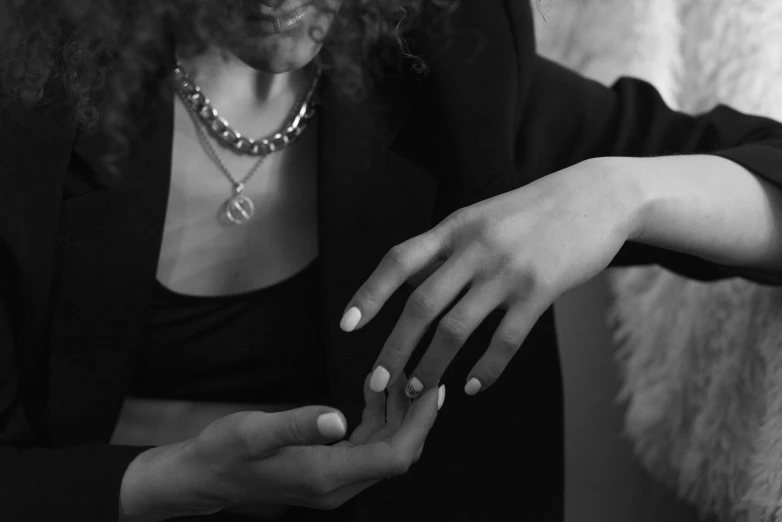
(250,461)
(516,252)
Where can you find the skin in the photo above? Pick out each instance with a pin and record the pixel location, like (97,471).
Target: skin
(700,205)
(504,271)
(251,461)
(503,245)
(470,248)
(287,51)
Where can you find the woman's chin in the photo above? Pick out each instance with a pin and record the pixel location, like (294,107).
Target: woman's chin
(278,60)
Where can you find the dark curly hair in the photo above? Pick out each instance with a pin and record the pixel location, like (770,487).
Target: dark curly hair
(92,50)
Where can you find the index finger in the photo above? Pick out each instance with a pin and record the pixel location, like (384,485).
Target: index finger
(396,267)
(392,456)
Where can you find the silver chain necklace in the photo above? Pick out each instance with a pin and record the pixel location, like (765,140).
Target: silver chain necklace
(239,209)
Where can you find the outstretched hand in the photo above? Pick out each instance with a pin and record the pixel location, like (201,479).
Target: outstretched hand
(518,252)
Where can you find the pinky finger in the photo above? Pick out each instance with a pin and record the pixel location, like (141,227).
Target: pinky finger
(505,342)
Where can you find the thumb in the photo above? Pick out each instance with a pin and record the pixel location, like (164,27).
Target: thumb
(306,426)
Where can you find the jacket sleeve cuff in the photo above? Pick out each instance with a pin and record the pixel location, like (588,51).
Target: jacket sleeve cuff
(74,483)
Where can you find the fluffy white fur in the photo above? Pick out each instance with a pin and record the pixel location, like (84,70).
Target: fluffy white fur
(701,363)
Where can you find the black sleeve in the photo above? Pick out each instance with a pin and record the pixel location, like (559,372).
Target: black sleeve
(38,481)
(43,483)
(568,118)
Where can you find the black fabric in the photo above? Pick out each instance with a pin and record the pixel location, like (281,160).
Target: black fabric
(290,514)
(79,263)
(261,346)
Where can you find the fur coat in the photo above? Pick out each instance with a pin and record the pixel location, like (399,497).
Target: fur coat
(701,364)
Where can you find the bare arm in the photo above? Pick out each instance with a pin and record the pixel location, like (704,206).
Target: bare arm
(705,206)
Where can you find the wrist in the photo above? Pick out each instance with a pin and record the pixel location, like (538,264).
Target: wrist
(629,183)
(161,483)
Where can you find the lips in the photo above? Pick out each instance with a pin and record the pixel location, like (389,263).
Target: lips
(282,24)
(271,9)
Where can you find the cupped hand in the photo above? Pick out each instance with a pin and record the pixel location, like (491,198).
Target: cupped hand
(517,252)
(254,459)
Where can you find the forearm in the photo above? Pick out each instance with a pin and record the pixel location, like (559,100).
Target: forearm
(702,205)
(159,484)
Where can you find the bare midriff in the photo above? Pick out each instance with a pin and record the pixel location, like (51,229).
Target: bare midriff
(157,422)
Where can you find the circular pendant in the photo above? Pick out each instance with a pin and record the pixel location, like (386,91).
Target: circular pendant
(239,209)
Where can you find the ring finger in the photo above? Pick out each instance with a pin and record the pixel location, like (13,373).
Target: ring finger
(423,307)
(452,332)
(505,343)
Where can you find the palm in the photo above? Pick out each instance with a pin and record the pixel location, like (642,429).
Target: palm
(383,445)
(382,415)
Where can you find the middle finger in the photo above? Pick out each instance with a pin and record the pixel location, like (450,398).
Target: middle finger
(453,331)
(423,306)
(397,404)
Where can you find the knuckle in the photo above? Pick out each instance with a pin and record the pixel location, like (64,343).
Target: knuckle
(393,354)
(400,464)
(291,430)
(369,295)
(526,281)
(320,482)
(421,305)
(461,217)
(494,369)
(399,255)
(453,330)
(509,267)
(490,231)
(240,438)
(508,343)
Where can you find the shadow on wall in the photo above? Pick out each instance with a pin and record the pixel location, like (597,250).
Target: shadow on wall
(603,482)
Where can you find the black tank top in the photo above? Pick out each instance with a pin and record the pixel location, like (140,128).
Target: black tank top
(261,346)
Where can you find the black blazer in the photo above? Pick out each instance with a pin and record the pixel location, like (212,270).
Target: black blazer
(78,260)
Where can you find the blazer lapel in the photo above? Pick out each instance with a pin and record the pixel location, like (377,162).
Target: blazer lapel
(369,200)
(109,244)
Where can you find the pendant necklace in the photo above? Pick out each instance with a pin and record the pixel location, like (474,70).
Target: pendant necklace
(239,208)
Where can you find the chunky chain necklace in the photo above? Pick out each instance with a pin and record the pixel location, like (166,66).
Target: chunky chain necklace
(239,209)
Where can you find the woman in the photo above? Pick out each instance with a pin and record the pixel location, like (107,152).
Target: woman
(167,302)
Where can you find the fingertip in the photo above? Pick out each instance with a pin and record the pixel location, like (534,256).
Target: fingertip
(350,319)
(414,388)
(367,379)
(379,379)
(432,395)
(332,425)
(440,397)
(371,397)
(473,386)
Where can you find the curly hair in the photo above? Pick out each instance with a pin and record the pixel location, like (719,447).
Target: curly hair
(92,50)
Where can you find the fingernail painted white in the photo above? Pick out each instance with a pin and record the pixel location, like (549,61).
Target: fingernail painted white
(350,319)
(379,379)
(413,388)
(331,425)
(472,387)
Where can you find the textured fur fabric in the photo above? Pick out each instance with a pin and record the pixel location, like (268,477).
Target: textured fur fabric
(701,363)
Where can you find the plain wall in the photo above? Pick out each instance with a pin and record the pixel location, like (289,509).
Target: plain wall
(604,483)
